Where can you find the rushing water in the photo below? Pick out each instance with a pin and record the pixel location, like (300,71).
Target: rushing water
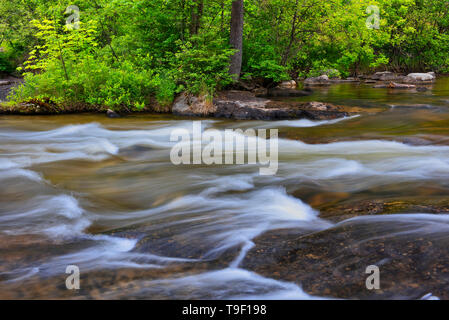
(103,195)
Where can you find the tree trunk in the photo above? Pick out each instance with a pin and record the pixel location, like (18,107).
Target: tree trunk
(236,38)
(286,54)
(197,13)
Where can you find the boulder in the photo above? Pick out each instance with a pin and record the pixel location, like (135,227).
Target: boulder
(112,114)
(5,82)
(188,105)
(386,76)
(380,76)
(420,77)
(287,85)
(321,80)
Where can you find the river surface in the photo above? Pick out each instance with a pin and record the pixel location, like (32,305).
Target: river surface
(102,194)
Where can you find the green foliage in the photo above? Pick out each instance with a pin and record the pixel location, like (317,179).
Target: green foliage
(6,58)
(70,68)
(202,65)
(127,53)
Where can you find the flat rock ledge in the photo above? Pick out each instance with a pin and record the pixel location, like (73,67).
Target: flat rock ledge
(241,105)
(411,79)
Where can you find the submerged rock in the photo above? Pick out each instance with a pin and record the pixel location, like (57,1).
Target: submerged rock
(333,263)
(288,93)
(394,85)
(112,114)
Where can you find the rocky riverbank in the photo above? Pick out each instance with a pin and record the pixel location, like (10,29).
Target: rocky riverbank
(238,105)
(386,79)
(243,105)
(251,102)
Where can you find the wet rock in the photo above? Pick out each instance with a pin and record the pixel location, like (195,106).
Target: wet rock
(386,76)
(347,80)
(412,259)
(288,93)
(422,89)
(287,85)
(395,85)
(243,105)
(321,80)
(420,77)
(189,105)
(260,92)
(351,209)
(112,114)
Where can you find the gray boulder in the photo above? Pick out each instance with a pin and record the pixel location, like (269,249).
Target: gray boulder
(324,79)
(189,105)
(288,85)
(386,76)
(420,77)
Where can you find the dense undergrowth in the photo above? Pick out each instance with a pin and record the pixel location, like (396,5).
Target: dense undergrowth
(124,54)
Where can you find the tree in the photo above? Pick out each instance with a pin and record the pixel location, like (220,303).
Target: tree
(196,14)
(236,38)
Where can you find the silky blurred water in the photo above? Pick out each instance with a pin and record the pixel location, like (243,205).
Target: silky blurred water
(102,194)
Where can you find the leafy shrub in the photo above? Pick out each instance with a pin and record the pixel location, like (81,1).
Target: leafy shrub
(66,67)
(202,64)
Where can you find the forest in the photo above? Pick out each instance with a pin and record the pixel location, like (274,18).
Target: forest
(124,54)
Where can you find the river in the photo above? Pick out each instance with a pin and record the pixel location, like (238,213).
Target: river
(102,194)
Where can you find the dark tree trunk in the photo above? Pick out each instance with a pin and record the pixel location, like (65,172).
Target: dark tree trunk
(197,13)
(183,20)
(286,54)
(237,38)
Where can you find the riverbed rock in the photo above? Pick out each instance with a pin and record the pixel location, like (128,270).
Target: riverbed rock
(333,262)
(420,77)
(386,76)
(244,105)
(260,92)
(287,93)
(190,105)
(112,114)
(321,80)
(287,85)
(395,85)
